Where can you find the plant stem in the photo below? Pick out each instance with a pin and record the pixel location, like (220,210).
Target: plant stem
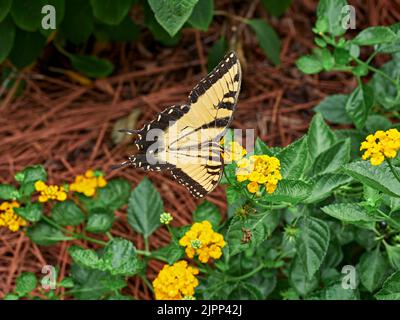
(247,275)
(147,283)
(393,169)
(232,16)
(146,244)
(109,235)
(389,219)
(381,73)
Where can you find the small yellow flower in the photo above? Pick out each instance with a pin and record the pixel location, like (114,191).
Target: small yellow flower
(176,282)
(8,218)
(233,152)
(253,187)
(381,145)
(88,183)
(203,241)
(166,218)
(50,192)
(259,170)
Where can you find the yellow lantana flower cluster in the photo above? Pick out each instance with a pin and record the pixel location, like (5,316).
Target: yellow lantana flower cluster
(175,282)
(8,218)
(381,145)
(202,240)
(50,192)
(88,183)
(233,151)
(259,170)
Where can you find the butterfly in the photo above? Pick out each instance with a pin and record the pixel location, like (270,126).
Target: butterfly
(185,139)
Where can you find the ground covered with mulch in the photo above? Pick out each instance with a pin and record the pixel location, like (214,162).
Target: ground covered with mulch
(68,127)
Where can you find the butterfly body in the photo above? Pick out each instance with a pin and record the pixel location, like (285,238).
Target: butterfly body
(185,139)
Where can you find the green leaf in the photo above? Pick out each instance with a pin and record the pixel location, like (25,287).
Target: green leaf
(91,66)
(245,291)
(67,282)
(144,209)
(299,279)
(7,36)
(5,6)
(292,191)
(324,185)
(333,109)
(348,212)
(32,212)
(327,59)
(77,24)
(276,7)
(378,177)
(170,253)
(172,14)
(292,159)
(377,122)
(109,11)
(260,225)
(267,38)
(27,48)
(120,258)
(216,53)
(390,289)
(393,46)
(373,268)
(67,213)
(27,14)
(156,29)
(320,136)
(25,283)
(10,296)
(45,235)
(359,104)
(8,192)
(126,31)
(331,12)
(309,64)
(393,255)
(207,211)
(99,222)
(332,159)
(87,258)
(261,148)
(31,174)
(337,292)
(312,243)
(202,15)
(374,35)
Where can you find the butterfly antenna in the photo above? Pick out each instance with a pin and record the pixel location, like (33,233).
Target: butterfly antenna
(121,165)
(129,131)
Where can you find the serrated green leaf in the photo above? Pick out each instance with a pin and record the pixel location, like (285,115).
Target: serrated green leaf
(299,279)
(292,159)
(374,35)
(393,255)
(7,36)
(67,213)
(144,209)
(320,137)
(292,191)
(377,122)
(373,268)
(337,292)
(332,109)
(67,282)
(109,11)
(378,177)
(99,222)
(390,289)
(202,14)
(260,225)
(32,212)
(172,14)
(359,104)
(170,253)
(262,148)
(245,291)
(267,38)
(44,234)
(125,31)
(331,11)
(348,212)
(87,258)
(276,7)
(25,283)
(207,211)
(31,174)
(312,243)
(330,160)
(324,185)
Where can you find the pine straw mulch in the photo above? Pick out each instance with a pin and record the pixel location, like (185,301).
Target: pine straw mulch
(67,127)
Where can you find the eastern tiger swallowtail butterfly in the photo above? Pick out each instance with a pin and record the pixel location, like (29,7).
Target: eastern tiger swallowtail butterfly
(185,139)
